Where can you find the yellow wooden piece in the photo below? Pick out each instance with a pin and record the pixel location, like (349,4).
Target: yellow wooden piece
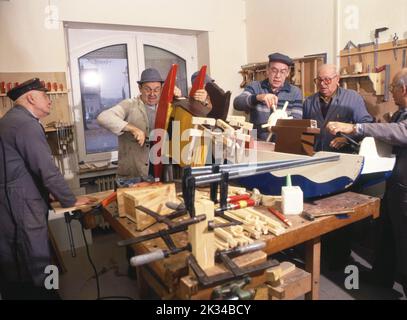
(150,198)
(180,147)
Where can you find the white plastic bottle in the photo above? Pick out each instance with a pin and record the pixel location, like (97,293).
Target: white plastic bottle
(292,198)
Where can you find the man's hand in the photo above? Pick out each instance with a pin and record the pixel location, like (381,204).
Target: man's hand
(338,142)
(335,127)
(138,134)
(83,200)
(201,95)
(269,99)
(177,92)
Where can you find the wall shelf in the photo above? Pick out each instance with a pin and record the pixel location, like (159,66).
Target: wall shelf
(376,78)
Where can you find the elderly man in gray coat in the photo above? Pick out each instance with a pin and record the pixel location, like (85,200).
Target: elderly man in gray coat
(132,120)
(392,254)
(27,176)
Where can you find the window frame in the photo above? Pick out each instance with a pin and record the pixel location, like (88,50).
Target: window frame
(112,40)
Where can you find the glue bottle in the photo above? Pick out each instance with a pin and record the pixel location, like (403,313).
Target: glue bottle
(292,198)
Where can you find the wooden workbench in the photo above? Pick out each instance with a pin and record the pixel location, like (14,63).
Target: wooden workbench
(169,278)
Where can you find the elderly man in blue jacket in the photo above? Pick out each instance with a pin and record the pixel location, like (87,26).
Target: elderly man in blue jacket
(333,103)
(259,98)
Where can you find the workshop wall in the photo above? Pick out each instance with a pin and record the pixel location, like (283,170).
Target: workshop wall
(30,43)
(359,19)
(293,27)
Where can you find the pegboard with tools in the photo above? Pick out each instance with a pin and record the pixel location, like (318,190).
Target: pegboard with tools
(58,93)
(369,69)
(60,137)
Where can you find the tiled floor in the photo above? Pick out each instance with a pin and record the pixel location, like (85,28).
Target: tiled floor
(110,260)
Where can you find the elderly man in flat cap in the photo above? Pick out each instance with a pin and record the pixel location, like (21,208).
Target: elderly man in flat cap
(132,120)
(259,98)
(28,176)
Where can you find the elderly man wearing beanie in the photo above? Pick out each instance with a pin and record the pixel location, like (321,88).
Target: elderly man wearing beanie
(259,98)
(132,120)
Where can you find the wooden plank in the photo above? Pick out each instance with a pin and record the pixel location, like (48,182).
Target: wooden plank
(97,197)
(151,198)
(274,274)
(303,230)
(201,239)
(121,191)
(295,284)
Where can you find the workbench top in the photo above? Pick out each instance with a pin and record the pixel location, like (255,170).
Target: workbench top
(170,270)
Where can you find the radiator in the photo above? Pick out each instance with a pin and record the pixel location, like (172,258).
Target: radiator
(103,184)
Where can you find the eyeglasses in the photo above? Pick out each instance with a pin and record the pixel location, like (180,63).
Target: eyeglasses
(325,80)
(148,90)
(275,71)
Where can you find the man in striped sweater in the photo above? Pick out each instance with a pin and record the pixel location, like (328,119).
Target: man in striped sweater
(259,98)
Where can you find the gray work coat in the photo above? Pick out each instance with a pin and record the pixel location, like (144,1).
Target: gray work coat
(395,198)
(27,176)
(133,158)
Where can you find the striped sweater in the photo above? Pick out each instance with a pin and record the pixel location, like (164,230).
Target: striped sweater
(259,112)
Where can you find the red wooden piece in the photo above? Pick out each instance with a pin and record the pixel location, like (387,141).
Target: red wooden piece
(199,81)
(162,117)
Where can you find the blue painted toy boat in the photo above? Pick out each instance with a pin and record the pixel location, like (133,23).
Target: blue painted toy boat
(372,165)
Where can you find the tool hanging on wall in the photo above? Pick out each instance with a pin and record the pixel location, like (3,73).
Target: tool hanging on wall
(3,92)
(61,143)
(395,44)
(376,44)
(348,47)
(363,45)
(403,63)
(9,86)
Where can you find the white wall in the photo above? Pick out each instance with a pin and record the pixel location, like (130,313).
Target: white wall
(27,45)
(359,19)
(293,27)
(299,27)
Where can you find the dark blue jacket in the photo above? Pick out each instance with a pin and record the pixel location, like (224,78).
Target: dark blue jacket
(346,106)
(27,175)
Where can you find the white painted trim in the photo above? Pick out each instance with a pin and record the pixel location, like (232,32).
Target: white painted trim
(75,54)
